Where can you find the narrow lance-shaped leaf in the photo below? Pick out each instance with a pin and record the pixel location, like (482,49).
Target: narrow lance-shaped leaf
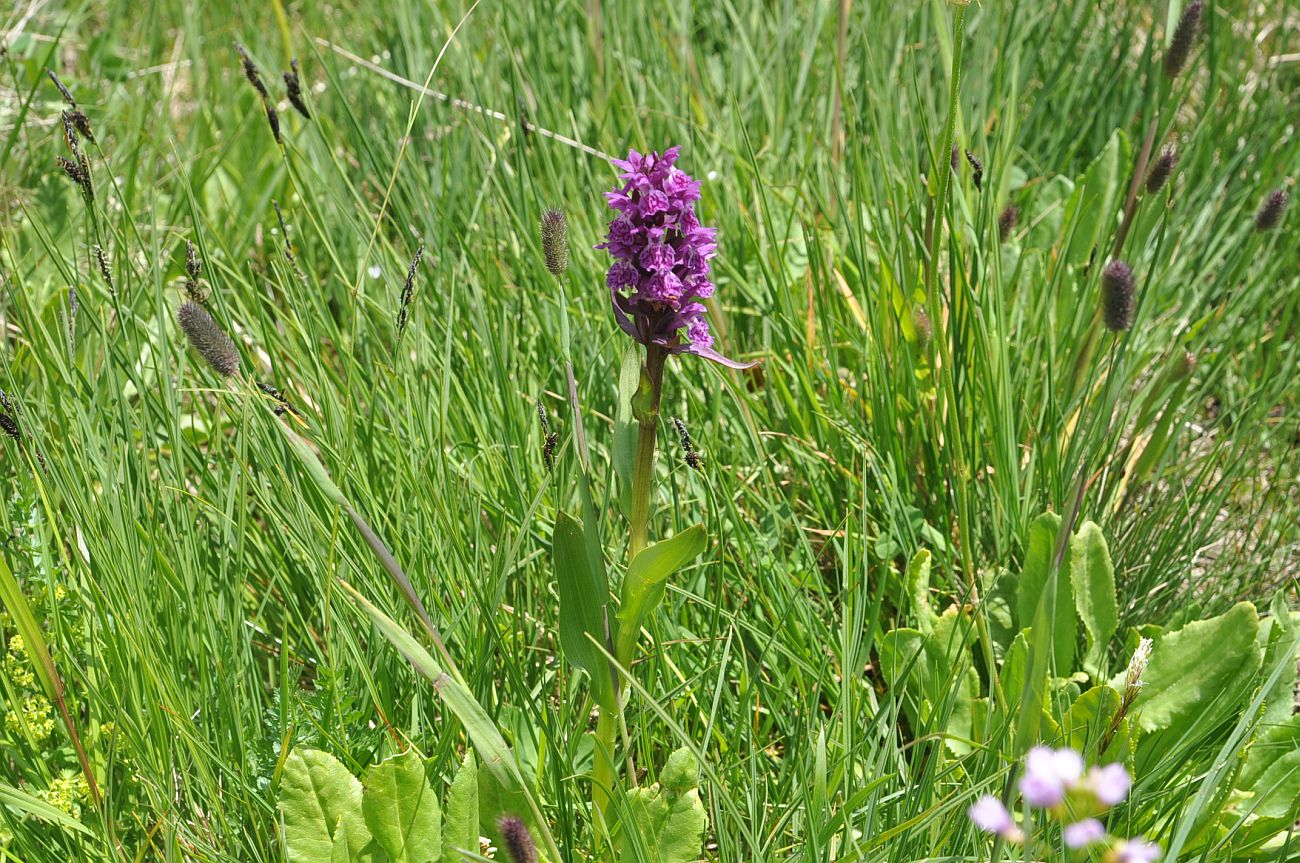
(582,608)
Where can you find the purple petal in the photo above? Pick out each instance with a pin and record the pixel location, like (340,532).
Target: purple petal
(1084,833)
(711,354)
(621,316)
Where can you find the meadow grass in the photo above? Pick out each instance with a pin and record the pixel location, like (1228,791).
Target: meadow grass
(185,568)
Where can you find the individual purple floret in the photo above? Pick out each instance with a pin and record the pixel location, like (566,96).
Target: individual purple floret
(989,815)
(661,257)
(1109,784)
(1081,834)
(1048,774)
(1136,851)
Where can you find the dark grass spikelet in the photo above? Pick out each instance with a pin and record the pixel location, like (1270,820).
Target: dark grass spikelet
(1161,170)
(208,339)
(194,289)
(1117,296)
(1184,38)
(273,120)
(518,841)
(255,78)
(555,241)
(954,158)
(977,170)
(689,452)
(408,293)
(74,305)
(293,85)
(550,439)
(1007,221)
(1271,211)
(82,124)
(70,134)
(250,71)
(87,183)
(104,269)
(63,91)
(71,168)
(9,426)
(288,247)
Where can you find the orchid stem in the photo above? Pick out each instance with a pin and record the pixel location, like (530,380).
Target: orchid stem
(645,405)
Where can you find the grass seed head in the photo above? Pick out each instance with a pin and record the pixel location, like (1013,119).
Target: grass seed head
(63,91)
(1117,296)
(9,426)
(1185,33)
(518,841)
(977,169)
(1007,221)
(1271,211)
(293,85)
(1161,170)
(208,339)
(104,269)
(250,71)
(555,241)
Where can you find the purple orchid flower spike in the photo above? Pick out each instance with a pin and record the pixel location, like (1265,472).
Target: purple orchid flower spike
(661,257)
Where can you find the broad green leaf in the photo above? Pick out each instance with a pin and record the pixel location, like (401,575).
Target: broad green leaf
(643,586)
(1272,771)
(341,853)
(1092,576)
(999,602)
(401,809)
(668,816)
(1091,212)
(957,680)
(460,820)
(1088,720)
(317,793)
(905,663)
(1201,669)
(918,590)
(1034,582)
(582,608)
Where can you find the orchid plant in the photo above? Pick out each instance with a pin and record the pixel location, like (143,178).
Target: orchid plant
(658,280)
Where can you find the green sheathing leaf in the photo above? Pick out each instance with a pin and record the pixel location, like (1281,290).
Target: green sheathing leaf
(582,607)
(401,809)
(460,820)
(317,795)
(643,586)
(668,816)
(1092,577)
(1200,671)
